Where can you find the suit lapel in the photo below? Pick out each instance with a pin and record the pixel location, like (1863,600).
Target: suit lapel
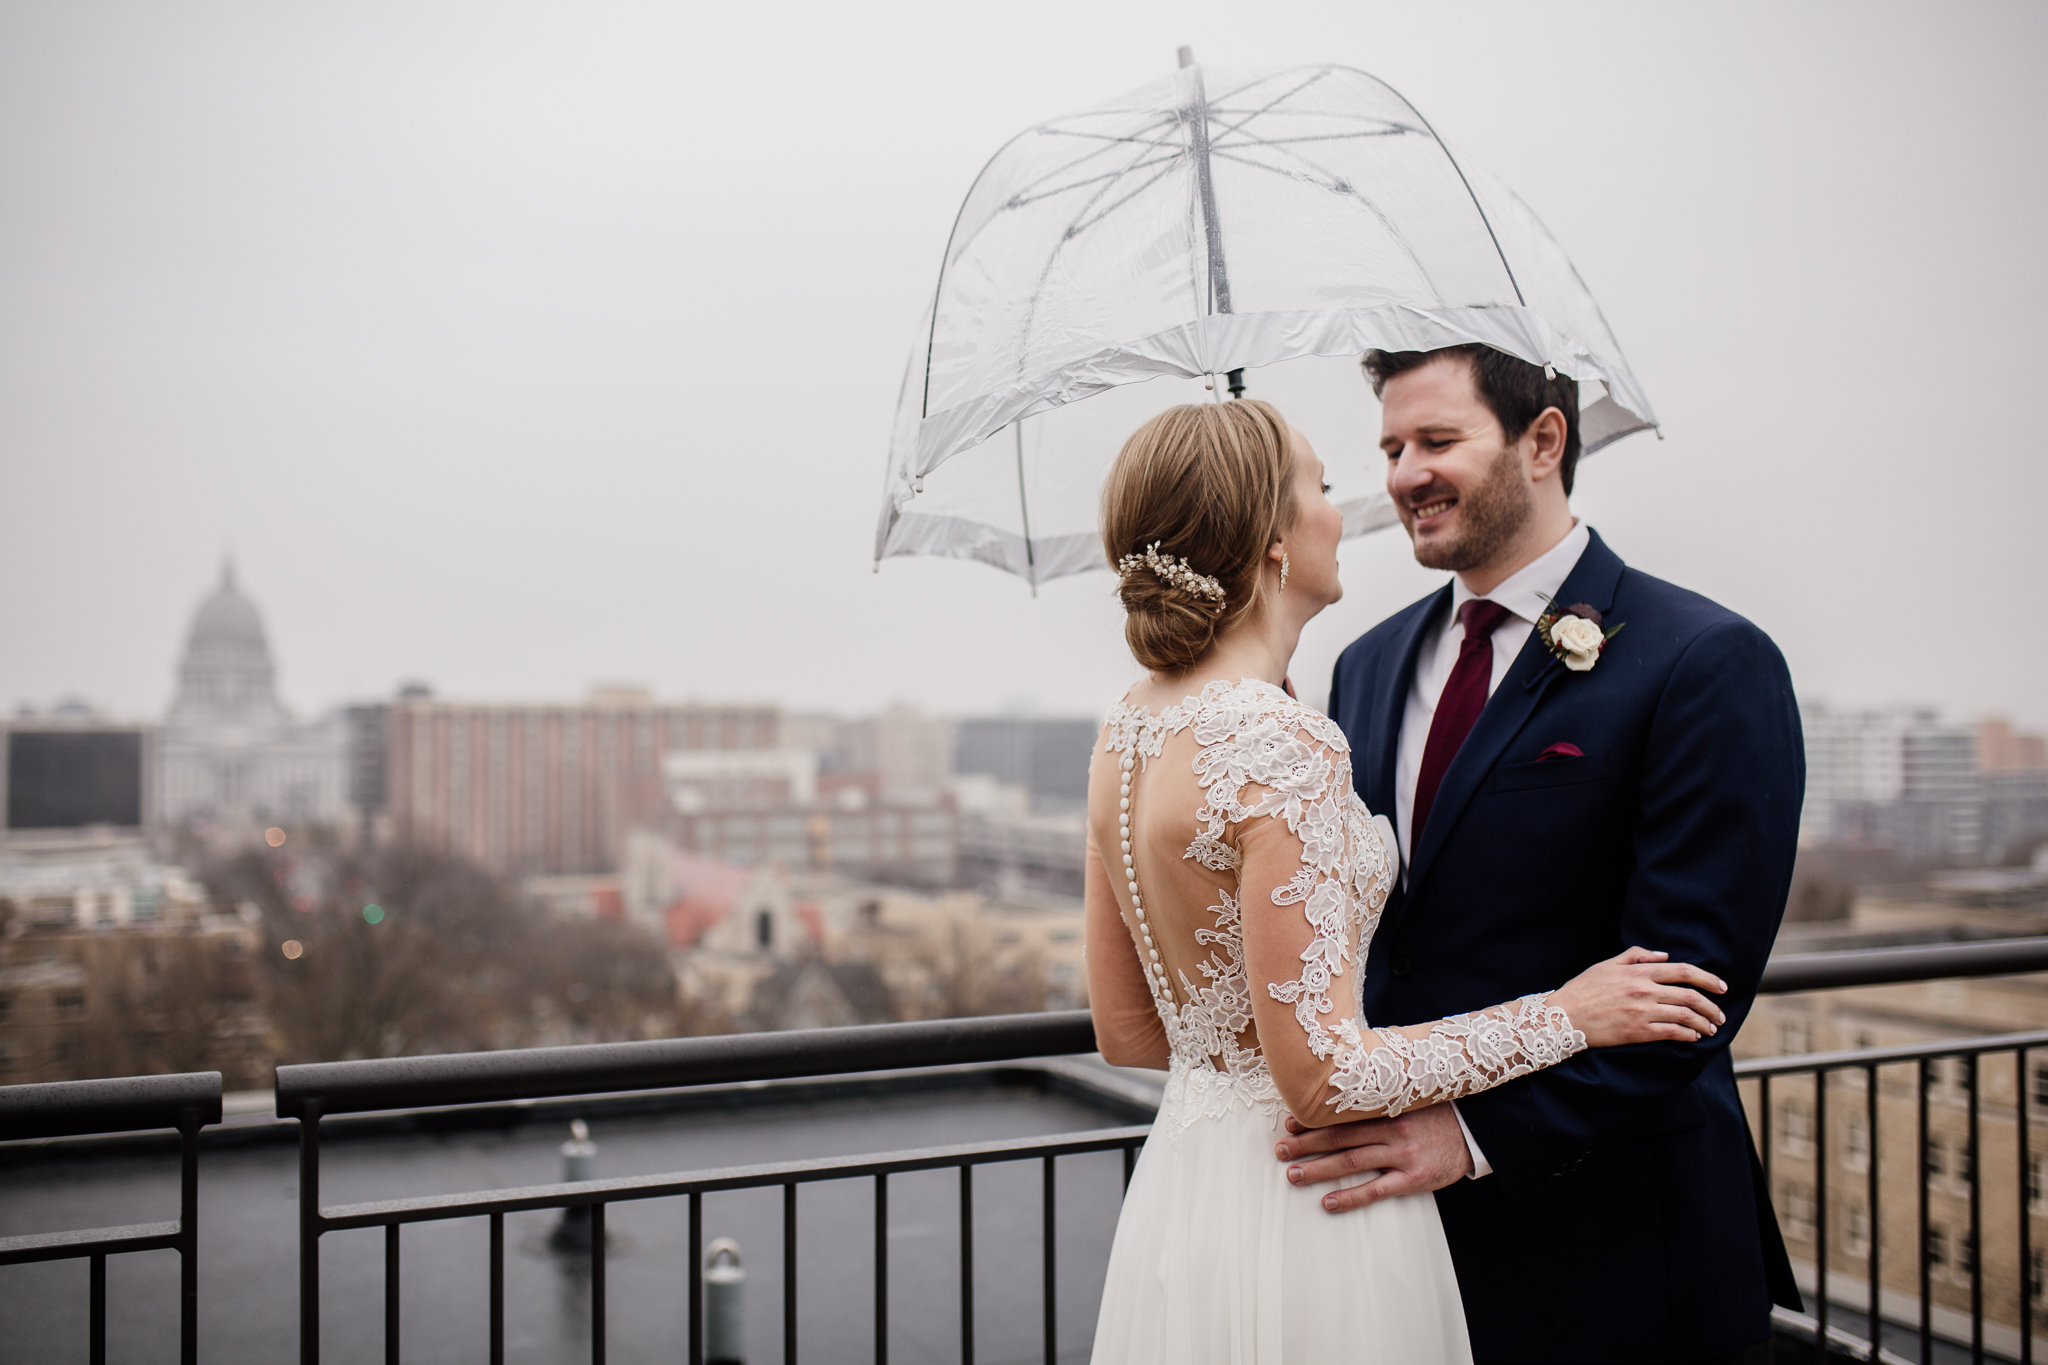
(1592,580)
(1396,674)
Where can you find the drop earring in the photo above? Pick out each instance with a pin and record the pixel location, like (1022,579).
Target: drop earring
(1283,571)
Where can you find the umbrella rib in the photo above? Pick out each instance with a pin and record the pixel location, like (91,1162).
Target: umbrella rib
(1109,138)
(1577,278)
(1074,227)
(1321,115)
(1470,193)
(1081,225)
(1020,200)
(1338,186)
(1024,509)
(1394,131)
(1109,144)
(1273,103)
(953,253)
(1334,183)
(1258,81)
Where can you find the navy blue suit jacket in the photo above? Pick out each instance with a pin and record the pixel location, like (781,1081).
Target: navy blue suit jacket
(1622,1220)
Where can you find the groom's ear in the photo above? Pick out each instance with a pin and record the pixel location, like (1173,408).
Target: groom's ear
(1544,446)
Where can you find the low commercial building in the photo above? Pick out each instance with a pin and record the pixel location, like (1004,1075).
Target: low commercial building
(113,963)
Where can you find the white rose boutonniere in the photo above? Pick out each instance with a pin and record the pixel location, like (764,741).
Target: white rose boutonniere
(1580,640)
(1576,635)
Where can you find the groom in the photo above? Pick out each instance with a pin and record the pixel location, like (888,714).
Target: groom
(1577,758)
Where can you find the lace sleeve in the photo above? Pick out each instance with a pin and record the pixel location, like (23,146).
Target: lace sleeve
(1307,846)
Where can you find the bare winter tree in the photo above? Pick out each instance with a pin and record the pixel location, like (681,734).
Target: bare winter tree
(404,951)
(173,1002)
(967,977)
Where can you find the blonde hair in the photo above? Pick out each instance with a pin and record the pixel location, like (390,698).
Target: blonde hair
(1211,484)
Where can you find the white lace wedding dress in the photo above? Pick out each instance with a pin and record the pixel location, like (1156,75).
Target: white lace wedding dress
(1245,857)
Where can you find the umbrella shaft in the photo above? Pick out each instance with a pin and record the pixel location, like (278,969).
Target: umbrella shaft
(1198,123)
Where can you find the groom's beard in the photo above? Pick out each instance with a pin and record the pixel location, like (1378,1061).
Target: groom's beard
(1489,516)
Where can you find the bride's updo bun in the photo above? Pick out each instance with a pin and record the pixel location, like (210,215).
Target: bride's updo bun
(1208,484)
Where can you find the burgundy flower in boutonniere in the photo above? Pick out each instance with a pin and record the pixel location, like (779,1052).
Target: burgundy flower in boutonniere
(1576,634)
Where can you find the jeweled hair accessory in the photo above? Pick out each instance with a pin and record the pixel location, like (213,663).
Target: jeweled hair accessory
(1169,570)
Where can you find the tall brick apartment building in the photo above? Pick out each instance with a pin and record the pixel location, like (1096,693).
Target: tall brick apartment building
(530,789)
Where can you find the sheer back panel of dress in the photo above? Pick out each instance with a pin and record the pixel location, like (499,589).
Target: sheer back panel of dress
(1190,904)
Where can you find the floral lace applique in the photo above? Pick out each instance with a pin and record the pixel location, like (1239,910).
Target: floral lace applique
(1213,853)
(1461,1055)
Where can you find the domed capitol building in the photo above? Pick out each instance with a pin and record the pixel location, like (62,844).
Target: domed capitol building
(229,753)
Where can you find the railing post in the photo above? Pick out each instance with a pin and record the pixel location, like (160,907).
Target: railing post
(966,1263)
(1874,1223)
(2026,1216)
(789,1273)
(597,1294)
(1926,1074)
(96,1341)
(1820,1210)
(1052,1336)
(1976,1221)
(188,1236)
(309,1233)
(1763,1110)
(696,1277)
(497,1289)
(881,1268)
(391,1294)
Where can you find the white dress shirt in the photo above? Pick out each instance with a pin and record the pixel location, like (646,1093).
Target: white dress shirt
(1525,593)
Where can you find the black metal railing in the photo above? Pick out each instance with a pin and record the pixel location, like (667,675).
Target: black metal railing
(1866,1071)
(313,1092)
(187,1103)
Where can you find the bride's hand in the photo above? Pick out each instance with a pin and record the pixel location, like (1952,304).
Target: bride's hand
(1641,997)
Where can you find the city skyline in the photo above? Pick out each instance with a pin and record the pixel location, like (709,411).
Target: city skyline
(568,357)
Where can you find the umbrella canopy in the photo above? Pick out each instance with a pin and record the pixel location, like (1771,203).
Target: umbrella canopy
(1214,221)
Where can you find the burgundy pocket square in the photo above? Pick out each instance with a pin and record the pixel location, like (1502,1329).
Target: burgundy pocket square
(1560,750)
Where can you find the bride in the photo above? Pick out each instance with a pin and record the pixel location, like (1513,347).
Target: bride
(1228,947)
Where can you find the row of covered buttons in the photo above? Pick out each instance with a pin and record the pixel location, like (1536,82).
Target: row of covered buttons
(1155,971)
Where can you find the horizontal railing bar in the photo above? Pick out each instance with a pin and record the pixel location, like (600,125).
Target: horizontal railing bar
(1888,966)
(542,1072)
(431,1208)
(64,1246)
(120,1105)
(1903,1052)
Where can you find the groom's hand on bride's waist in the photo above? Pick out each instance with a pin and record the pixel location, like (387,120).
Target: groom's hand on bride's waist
(1422,1150)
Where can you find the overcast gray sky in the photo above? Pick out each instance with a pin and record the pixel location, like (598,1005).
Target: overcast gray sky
(515,347)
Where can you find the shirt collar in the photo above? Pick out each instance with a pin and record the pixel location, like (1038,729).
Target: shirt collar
(1528,590)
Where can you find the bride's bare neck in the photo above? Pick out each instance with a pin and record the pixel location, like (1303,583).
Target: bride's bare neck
(1259,646)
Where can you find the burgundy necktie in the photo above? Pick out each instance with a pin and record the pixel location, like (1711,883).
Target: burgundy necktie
(1464,697)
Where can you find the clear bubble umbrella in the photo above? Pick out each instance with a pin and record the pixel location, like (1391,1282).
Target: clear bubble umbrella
(1153,249)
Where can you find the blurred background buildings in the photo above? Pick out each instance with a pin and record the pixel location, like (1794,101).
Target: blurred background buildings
(234,885)
(1905,780)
